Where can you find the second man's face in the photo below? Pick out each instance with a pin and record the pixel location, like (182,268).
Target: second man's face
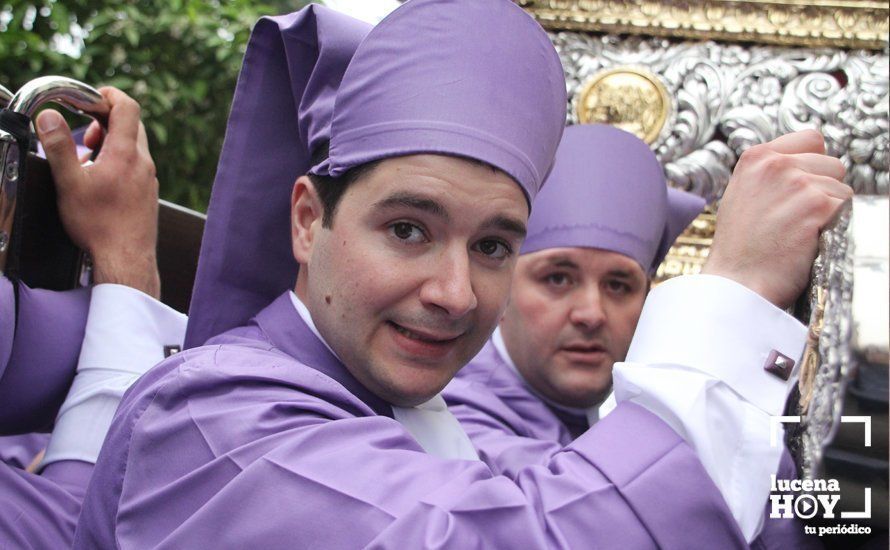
(415,272)
(572,314)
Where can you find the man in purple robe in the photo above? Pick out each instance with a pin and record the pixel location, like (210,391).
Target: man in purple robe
(110,209)
(598,231)
(312,415)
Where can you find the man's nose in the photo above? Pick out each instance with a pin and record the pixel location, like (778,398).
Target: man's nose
(587,310)
(449,286)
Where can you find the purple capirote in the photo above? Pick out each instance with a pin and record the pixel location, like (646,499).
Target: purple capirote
(607,190)
(420,82)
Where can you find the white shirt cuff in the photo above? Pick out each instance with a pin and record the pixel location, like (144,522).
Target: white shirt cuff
(127,333)
(697,361)
(724,330)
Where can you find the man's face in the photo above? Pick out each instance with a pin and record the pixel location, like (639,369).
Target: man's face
(414,272)
(572,314)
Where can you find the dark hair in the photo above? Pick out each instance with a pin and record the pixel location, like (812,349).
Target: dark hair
(331,189)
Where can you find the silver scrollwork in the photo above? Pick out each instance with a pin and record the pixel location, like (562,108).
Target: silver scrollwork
(727,97)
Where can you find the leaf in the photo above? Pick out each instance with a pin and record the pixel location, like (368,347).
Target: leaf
(159,131)
(131,34)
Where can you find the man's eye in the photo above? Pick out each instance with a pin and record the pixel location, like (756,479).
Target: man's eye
(618,287)
(494,249)
(407,232)
(558,280)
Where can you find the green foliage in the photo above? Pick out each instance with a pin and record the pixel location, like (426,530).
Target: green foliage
(178,58)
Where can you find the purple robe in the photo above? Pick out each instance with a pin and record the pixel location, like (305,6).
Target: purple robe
(32,319)
(19,451)
(41,511)
(261,438)
(38,511)
(512,428)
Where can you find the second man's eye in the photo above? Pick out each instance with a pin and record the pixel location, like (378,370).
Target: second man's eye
(618,287)
(407,232)
(558,280)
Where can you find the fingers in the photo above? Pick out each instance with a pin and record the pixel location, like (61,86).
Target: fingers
(142,141)
(123,120)
(831,187)
(822,165)
(92,138)
(55,136)
(784,158)
(805,141)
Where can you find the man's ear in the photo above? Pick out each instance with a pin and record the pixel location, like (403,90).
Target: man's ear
(305,218)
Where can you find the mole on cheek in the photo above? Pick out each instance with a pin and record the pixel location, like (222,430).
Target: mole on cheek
(327,299)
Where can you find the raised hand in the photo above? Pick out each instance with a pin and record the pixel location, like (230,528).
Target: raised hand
(781,195)
(110,207)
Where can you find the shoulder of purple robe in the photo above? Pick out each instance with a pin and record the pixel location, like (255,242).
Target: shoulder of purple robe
(510,427)
(244,436)
(41,511)
(48,331)
(509,435)
(19,451)
(781,533)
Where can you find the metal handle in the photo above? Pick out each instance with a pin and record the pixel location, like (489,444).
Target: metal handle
(72,94)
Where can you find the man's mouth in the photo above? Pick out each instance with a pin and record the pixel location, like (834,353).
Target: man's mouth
(585,352)
(423,344)
(585,348)
(424,336)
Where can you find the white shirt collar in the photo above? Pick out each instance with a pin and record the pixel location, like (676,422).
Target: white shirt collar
(303,311)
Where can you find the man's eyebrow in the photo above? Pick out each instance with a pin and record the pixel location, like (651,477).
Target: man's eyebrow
(622,274)
(508,224)
(561,261)
(417,202)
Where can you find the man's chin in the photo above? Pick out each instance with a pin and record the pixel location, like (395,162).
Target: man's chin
(581,395)
(410,401)
(408,392)
(411,397)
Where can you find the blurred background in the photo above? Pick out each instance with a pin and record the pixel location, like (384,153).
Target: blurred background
(178,58)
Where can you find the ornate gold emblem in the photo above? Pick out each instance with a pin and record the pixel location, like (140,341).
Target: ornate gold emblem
(632,99)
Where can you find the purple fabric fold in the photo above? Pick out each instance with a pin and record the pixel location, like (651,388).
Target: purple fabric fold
(48,334)
(513,429)
(41,511)
(19,451)
(280,114)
